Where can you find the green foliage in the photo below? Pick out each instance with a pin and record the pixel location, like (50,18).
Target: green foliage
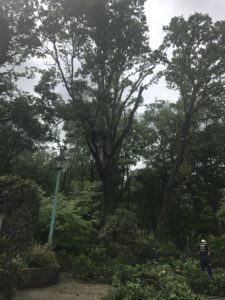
(218,283)
(76,218)
(121,235)
(221,214)
(83,267)
(123,271)
(21,122)
(199,281)
(130,291)
(21,130)
(19,204)
(41,256)
(165,250)
(9,270)
(121,227)
(217,248)
(196,45)
(109,39)
(95,265)
(37,166)
(16,38)
(102,263)
(201,50)
(87,198)
(151,281)
(71,230)
(123,238)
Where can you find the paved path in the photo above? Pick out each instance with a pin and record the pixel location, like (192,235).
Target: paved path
(73,290)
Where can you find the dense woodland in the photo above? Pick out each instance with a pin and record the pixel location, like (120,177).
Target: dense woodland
(87,64)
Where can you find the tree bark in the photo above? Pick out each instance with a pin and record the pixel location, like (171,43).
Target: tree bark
(1,220)
(108,193)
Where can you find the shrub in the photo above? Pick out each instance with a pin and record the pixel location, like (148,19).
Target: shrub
(9,272)
(72,230)
(199,281)
(130,291)
(123,272)
(103,264)
(218,283)
(83,267)
(41,256)
(151,281)
(122,237)
(121,227)
(96,265)
(166,250)
(19,203)
(217,247)
(65,260)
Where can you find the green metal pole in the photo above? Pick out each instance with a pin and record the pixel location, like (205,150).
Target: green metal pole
(52,224)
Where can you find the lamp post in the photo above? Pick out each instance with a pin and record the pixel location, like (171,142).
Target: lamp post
(60,165)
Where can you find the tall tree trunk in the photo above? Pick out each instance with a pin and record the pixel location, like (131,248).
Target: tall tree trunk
(82,175)
(162,229)
(1,220)
(92,176)
(108,191)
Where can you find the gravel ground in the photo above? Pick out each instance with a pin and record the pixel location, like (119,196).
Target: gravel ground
(73,290)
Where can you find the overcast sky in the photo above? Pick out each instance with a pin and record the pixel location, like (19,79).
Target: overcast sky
(159,13)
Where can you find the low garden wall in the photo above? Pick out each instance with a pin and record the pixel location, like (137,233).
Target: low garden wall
(38,277)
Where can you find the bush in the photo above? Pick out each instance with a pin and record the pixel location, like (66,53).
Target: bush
(130,291)
(123,272)
(9,273)
(97,265)
(166,250)
(83,267)
(103,264)
(19,203)
(217,247)
(200,282)
(121,227)
(122,237)
(65,260)
(72,229)
(41,256)
(218,283)
(151,281)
